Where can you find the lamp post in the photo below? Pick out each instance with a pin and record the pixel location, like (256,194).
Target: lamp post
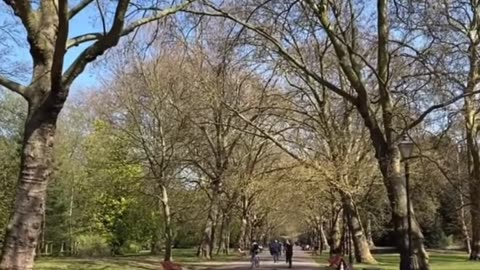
(406,149)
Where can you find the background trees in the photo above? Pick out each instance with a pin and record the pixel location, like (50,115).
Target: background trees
(217,128)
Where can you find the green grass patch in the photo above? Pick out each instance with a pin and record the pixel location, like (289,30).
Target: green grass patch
(438,261)
(130,262)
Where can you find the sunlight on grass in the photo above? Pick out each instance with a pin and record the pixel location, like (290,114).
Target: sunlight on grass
(438,261)
(133,262)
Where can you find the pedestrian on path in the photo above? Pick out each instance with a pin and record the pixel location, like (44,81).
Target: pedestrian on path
(254,250)
(275,250)
(289,253)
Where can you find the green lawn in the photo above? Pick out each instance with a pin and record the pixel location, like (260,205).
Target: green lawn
(134,262)
(438,261)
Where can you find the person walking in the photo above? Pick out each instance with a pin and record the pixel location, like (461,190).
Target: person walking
(254,250)
(289,253)
(275,250)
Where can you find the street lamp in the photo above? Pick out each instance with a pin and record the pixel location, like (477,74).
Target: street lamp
(406,149)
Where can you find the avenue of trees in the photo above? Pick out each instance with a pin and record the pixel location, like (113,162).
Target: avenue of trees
(214,123)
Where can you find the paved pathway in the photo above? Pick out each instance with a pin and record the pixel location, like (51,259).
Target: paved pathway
(301,261)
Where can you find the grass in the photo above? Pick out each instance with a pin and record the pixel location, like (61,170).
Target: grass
(438,261)
(132,262)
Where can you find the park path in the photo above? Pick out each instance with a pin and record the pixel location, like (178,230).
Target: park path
(301,261)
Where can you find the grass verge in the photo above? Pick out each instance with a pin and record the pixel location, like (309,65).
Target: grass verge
(438,261)
(132,262)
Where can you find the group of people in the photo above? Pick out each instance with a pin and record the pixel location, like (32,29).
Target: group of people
(276,249)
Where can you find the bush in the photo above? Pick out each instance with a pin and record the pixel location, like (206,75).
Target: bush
(438,239)
(131,248)
(92,245)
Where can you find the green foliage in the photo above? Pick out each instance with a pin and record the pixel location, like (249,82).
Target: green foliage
(435,237)
(92,245)
(10,150)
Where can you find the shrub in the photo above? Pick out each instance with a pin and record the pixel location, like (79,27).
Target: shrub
(131,248)
(92,245)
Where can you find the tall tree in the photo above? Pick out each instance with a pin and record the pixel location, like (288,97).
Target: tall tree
(296,29)
(46,25)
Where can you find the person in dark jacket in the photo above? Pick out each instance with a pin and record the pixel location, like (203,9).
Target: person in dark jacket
(289,253)
(275,250)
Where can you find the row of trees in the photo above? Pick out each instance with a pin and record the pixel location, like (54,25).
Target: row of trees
(213,107)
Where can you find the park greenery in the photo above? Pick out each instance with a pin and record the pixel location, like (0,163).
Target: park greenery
(210,124)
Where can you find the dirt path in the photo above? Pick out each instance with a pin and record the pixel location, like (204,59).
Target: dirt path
(301,261)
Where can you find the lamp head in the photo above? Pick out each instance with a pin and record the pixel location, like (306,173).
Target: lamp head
(406,147)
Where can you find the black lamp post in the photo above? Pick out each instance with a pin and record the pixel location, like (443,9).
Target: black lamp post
(406,149)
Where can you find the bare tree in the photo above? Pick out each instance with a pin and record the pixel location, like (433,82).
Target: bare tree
(292,30)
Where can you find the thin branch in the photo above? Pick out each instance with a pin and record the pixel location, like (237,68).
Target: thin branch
(79,7)
(281,50)
(436,107)
(75,41)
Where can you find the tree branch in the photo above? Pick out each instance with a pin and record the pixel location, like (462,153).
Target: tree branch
(75,41)
(280,50)
(105,42)
(60,45)
(79,7)
(436,107)
(23,10)
(14,87)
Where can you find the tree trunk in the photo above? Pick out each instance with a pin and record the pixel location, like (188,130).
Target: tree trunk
(323,238)
(222,234)
(388,158)
(360,243)
(167,217)
(208,239)
(226,234)
(336,235)
(242,241)
(474,158)
(70,218)
(463,223)
(475,209)
(369,231)
(397,194)
(25,224)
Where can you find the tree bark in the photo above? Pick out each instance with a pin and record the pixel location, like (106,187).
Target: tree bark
(474,175)
(360,243)
(242,241)
(207,245)
(25,224)
(336,234)
(243,233)
(466,236)
(222,234)
(369,232)
(390,167)
(167,217)
(323,239)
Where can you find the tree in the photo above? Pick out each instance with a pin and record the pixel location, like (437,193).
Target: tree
(294,30)
(46,26)
(147,95)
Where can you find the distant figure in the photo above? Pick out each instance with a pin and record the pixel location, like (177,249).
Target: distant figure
(275,250)
(254,250)
(289,253)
